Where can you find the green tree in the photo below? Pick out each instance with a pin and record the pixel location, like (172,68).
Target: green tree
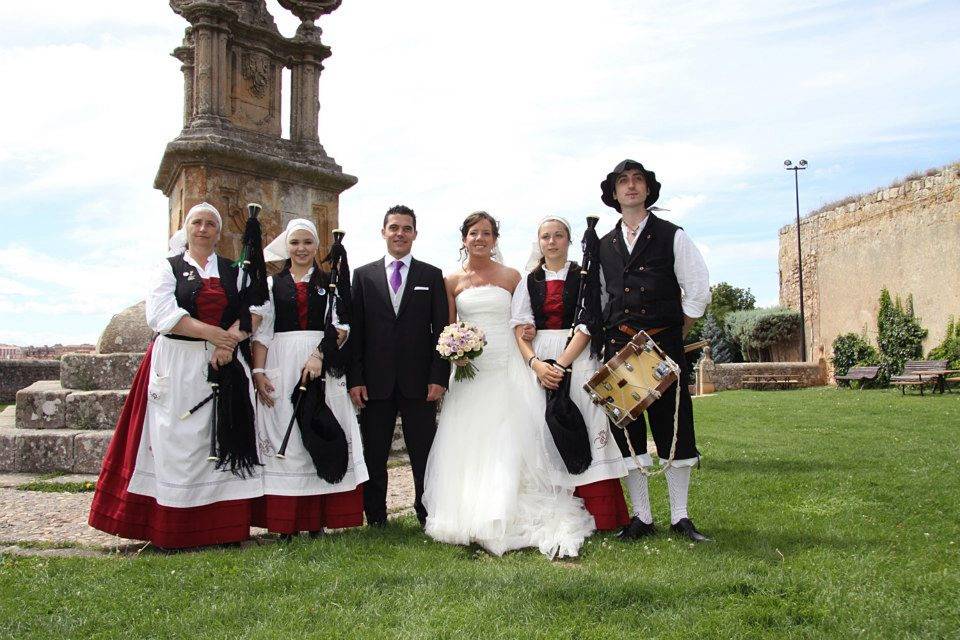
(899,335)
(949,349)
(721,350)
(724,298)
(851,350)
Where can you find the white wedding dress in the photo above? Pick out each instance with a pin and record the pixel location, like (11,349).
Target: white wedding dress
(488,478)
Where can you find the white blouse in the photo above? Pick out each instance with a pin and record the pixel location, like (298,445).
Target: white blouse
(521,309)
(163,312)
(264,334)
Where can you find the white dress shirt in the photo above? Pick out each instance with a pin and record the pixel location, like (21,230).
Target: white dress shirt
(388,261)
(688,266)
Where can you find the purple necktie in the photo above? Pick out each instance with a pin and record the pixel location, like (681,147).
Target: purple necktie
(395,280)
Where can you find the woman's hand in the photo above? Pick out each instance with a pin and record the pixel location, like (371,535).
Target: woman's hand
(221,357)
(461,362)
(221,338)
(548,375)
(265,388)
(529,332)
(236,334)
(312,368)
(341,337)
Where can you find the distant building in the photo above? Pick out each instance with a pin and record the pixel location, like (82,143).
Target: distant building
(10,352)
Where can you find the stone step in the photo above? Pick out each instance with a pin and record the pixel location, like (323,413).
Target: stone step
(48,405)
(46,450)
(98,371)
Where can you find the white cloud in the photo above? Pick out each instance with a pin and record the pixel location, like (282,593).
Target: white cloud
(519,108)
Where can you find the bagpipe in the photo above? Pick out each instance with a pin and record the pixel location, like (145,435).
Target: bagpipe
(322,434)
(233,441)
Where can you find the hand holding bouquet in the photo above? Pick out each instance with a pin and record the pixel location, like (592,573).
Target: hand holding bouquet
(460,343)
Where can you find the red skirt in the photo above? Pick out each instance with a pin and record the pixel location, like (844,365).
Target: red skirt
(291,514)
(129,515)
(605,502)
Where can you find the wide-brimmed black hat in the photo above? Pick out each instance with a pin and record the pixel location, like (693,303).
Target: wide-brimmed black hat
(607,186)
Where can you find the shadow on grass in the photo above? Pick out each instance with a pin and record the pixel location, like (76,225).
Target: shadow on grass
(768,465)
(766,544)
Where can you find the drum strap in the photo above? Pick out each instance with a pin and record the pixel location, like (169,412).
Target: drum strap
(676,431)
(630,331)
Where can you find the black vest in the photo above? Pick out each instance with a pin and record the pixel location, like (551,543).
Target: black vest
(285,302)
(537,286)
(189,283)
(642,287)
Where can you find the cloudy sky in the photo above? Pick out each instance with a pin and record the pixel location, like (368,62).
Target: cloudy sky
(519,108)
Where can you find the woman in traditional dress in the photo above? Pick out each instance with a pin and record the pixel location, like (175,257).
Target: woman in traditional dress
(488,478)
(544,301)
(286,351)
(157,482)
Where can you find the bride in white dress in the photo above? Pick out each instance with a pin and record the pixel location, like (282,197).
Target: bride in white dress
(488,477)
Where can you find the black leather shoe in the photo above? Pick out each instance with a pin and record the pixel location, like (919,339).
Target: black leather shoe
(379,524)
(286,537)
(316,534)
(685,528)
(636,529)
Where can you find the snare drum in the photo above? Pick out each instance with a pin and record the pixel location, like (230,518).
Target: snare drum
(632,380)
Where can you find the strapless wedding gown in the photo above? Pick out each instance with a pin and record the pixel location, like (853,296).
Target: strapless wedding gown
(488,477)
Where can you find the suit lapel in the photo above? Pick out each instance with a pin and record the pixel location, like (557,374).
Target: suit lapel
(380,282)
(408,288)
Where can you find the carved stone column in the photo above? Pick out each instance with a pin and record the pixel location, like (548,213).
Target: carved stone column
(185,55)
(210,30)
(305,101)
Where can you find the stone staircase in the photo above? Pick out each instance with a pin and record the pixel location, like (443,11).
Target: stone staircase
(66,424)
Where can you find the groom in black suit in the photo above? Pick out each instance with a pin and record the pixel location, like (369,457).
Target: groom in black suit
(399,310)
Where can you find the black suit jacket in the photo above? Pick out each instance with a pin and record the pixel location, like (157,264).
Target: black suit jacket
(398,350)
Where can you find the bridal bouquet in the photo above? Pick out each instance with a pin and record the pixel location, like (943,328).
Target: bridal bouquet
(462,340)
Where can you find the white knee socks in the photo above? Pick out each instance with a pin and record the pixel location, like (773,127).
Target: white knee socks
(678,485)
(639,495)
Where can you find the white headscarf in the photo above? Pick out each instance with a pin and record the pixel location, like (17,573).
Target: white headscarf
(178,241)
(277,250)
(535,253)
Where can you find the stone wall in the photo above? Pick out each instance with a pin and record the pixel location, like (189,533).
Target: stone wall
(18,374)
(904,238)
(730,376)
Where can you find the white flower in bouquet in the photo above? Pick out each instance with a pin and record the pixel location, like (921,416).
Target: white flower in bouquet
(461,341)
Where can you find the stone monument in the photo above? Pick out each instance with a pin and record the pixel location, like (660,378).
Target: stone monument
(230,152)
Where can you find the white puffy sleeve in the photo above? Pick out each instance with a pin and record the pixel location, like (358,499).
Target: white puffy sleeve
(521,311)
(692,274)
(163,312)
(264,333)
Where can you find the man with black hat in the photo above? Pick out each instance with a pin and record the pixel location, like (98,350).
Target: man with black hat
(654,279)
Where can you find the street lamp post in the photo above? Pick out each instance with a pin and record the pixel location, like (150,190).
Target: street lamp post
(800,166)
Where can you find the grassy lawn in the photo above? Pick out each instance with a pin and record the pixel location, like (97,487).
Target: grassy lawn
(835,513)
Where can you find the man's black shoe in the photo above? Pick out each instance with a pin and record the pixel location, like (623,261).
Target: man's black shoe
(636,529)
(379,524)
(685,528)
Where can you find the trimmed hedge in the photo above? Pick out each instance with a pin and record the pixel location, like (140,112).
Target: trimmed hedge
(756,329)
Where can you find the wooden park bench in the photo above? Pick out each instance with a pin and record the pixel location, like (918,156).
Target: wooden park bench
(920,373)
(769,381)
(863,375)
